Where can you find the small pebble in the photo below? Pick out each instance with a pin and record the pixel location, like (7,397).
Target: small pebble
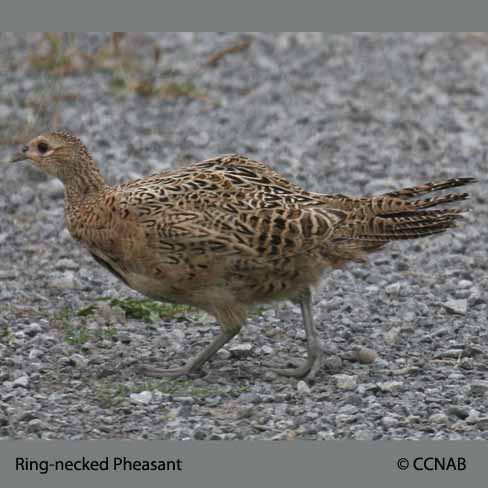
(325,435)
(35,353)
(390,386)
(199,435)
(363,435)
(269,376)
(479,387)
(389,421)
(34,425)
(391,336)
(33,329)
(183,399)
(241,350)
(144,397)
(22,381)
(438,418)
(67,264)
(78,360)
(333,363)
(245,412)
(366,356)
(459,412)
(473,417)
(224,354)
(459,307)
(303,388)
(393,289)
(65,282)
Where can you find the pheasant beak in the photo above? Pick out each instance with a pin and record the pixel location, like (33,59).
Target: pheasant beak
(20,156)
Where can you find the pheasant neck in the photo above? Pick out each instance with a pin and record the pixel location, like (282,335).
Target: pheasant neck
(82,185)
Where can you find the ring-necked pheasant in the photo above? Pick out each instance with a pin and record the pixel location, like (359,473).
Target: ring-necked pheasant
(229,232)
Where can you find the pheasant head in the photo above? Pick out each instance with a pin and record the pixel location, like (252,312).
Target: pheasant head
(64,156)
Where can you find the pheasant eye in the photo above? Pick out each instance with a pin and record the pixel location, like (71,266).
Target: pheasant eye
(42,147)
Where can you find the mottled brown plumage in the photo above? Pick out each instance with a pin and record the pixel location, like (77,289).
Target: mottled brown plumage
(229,232)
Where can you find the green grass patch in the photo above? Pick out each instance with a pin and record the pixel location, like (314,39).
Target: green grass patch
(146,309)
(175,90)
(75,329)
(73,323)
(118,86)
(139,308)
(76,333)
(175,387)
(148,87)
(86,311)
(184,387)
(8,334)
(111,395)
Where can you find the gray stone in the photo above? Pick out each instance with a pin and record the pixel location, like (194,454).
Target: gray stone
(269,376)
(325,435)
(366,356)
(33,329)
(224,354)
(241,350)
(35,425)
(200,435)
(66,281)
(479,387)
(389,421)
(333,363)
(473,417)
(79,360)
(68,264)
(459,307)
(391,336)
(184,399)
(393,289)
(363,435)
(22,381)
(35,353)
(303,388)
(460,412)
(144,397)
(438,418)
(390,386)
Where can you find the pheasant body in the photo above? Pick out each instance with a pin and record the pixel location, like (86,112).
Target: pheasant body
(229,232)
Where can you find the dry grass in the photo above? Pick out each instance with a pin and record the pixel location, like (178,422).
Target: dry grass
(131,60)
(238,47)
(118,56)
(64,57)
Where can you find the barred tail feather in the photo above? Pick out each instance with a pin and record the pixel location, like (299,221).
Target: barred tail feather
(392,216)
(429,187)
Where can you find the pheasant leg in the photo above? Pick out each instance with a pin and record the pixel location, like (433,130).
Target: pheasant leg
(315,353)
(194,364)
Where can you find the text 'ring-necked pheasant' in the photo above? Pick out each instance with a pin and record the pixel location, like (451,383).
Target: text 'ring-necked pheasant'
(226,233)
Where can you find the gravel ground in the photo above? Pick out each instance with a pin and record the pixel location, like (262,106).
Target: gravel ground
(357,114)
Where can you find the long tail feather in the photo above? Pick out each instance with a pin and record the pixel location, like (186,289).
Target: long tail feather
(392,216)
(429,187)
